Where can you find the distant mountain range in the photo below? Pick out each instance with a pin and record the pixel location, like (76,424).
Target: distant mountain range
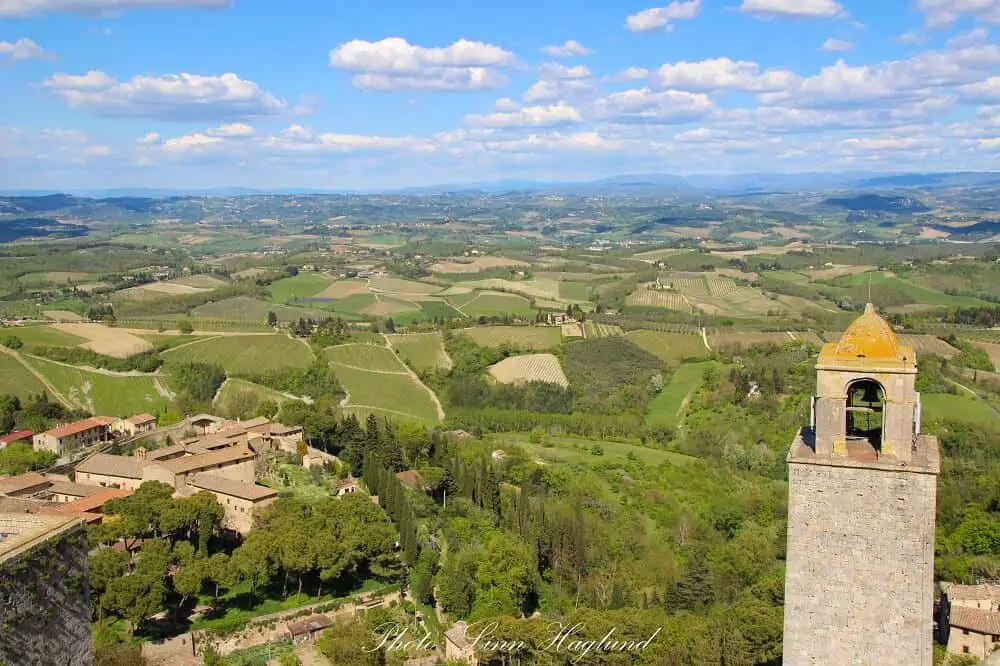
(753,183)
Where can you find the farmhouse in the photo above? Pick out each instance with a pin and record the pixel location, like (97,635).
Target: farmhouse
(240,500)
(108,471)
(16,436)
(135,425)
(457,646)
(72,436)
(973,618)
(23,485)
(90,508)
(307,628)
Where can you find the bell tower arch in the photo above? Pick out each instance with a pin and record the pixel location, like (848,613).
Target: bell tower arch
(862,484)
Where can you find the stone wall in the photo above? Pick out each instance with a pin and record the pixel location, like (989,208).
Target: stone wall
(45,603)
(860,566)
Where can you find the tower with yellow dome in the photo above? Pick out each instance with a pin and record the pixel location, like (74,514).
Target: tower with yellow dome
(862,483)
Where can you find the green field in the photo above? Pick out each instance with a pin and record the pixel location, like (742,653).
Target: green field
(352,305)
(364,356)
(244,308)
(884,285)
(666,408)
(41,336)
(523,337)
(488,303)
(392,395)
(577,450)
(436,309)
(574,291)
(941,406)
(298,287)
(246,353)
(15,378)
(422,351)
(669,346)
(233,387)
(103,394)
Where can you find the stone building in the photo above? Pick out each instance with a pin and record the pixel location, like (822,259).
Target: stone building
(72,436)
(972,614)
(44,591)
(859,581)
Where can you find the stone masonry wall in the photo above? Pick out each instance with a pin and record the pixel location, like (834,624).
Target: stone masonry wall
(860,567)
(45,604)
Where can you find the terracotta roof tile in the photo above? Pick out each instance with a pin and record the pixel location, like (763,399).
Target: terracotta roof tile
(974,619)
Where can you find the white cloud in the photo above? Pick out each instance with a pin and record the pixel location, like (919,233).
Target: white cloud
(394,64)
(552,90)
(22,8)
(659,18)
(987,91)
(832,44)
(942,13)
(148,139)
(887,143)
(554,70)
(581,141)
(721,74)
(529,116)
(642,105)
(914,79)
(975,36)
(568,49)
(232,130)
(793,8)
(632,74)
(169,97)
(506,104)
(22,49)
(57,146)
(191,142)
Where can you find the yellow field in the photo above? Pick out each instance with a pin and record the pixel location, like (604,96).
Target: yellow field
(108,341)
(529,368)
(522,337)
(403,287)
(474,264)
(657,298)
(343,289)
(596,330)
(929,344)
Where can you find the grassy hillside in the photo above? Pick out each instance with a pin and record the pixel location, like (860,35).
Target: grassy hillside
(666,408)
(364,356)
(103,394)
(523,337)
(15,378)
(669,346)
(246,353)
(395,395)
(422,351)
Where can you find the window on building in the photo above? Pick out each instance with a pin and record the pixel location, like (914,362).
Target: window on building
(965,648)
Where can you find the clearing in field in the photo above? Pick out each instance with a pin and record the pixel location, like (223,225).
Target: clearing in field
(486,303)
(298,287)
(169,288)
(574,330)
(371,357)
(992,348)
(61,315)
(962,407)
(422,351)
(51,277)
(105,340)
(343,289)
(246,309)
(387,394)
(597,330)
(246,354)
(657,298)
(547,289)
(42,336)
(530,368)
(667,407)
(670,347)
(652,256)
(576,450)
(463,265)
(200,281)
(403,287)
(387,305)
(743,339)
(521,337)
(230,394)
(108,395)
(929,344)
(15,379)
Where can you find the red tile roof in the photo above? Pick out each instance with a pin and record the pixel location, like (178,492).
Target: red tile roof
(974,619)
(140,419)
(79,426)
(15,436)
(21,482)
(88,504)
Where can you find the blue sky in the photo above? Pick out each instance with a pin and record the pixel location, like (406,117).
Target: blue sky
(386,93)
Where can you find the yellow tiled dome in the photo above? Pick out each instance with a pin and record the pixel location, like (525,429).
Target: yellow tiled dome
(868,338)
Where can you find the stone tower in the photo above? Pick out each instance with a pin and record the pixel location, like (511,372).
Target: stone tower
(862,484)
